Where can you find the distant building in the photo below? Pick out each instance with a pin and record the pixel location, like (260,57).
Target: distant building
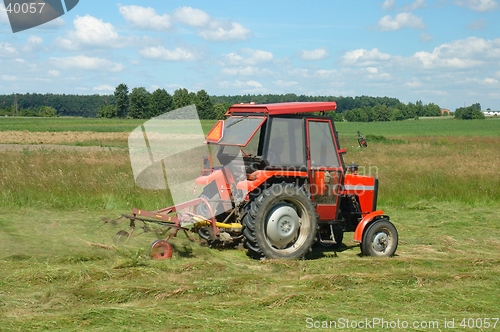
(491,113)
(445,111)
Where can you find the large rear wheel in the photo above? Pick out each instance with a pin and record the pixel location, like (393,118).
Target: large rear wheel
(280,223)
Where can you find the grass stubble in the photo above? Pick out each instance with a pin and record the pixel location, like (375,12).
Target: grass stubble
(442,193)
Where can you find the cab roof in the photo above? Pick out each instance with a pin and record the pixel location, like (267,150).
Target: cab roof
(283,108)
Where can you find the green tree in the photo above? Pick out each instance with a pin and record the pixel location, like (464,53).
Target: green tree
(161,102)
(182,98)
(107,111)
(140,104)
(204,106)
(122,100)
(47,111)
(337,117)
(469,113)
(397,115)
(351,116)
(432,110)
(365,114)
(419,108)
(381,113)
(220,109)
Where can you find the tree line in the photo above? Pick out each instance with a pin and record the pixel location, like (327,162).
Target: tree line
(31,104)
(141,104)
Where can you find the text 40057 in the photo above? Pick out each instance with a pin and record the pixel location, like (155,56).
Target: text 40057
(25,8)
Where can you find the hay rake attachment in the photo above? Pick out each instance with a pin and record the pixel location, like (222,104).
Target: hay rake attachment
(168,221)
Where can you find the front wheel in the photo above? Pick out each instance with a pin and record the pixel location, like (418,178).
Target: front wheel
(380,239)
(280,223)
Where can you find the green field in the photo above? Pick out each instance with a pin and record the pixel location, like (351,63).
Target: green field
(76,124)
(424,127)
(61,270)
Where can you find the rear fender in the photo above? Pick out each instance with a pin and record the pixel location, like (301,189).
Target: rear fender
(220,181)
(369,218)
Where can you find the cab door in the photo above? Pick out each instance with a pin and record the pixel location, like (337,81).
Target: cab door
(325,171)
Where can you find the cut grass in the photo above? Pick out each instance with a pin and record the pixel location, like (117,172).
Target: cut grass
(52,279)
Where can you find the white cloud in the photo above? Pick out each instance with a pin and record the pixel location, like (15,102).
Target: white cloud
(325,73)
(241,84)
(9,78)
(434,60)
(87,63)
(465,53)
(254,84)
(417,4)
(489,80)
(285,84)
(192,16)
(391,4)
(388,4)
(33,44)
(54,73)
(402,20)
(145,18)
(316,54)
(224,31)
(362,57)
(210,28)
(477,5)
(104,88)
(415,83)
(251,57)
(7,50)
(246,71)
(161,53)
(90,31)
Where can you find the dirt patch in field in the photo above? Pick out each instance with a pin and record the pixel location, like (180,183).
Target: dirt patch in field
(66,137)
(72,137)
(60,147)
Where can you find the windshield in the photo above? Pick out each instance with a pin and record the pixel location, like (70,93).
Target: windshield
(239,130)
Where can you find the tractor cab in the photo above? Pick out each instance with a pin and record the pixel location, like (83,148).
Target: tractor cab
(265,142)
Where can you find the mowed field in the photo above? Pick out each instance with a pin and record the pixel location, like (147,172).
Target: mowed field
(61,271)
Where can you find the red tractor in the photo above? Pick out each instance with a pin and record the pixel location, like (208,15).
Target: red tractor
(280,185)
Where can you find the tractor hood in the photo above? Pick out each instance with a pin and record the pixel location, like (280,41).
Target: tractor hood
(236,130)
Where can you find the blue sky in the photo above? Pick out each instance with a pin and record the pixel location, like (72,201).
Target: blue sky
(443,51)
